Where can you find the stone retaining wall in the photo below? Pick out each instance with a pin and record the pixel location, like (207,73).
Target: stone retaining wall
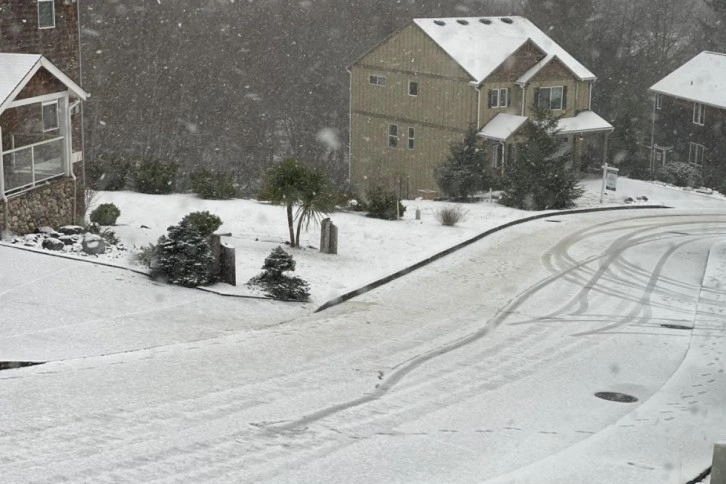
(47,205)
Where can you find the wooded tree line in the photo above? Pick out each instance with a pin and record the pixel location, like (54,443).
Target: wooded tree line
(236,85)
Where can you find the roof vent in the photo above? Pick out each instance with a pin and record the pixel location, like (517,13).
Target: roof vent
(485,21)
(462,22)
(440,22)
(507,20)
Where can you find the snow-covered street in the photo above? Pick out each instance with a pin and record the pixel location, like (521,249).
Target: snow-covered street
(483,365)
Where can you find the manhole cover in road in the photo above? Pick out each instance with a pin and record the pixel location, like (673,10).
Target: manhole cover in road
(616,397)
(676,326)
(11,365)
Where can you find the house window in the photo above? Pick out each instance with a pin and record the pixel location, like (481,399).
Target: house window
(393,135)
(699,114)
(377,80)
(411,138)
(50,116)
(695,154)
(412,88)
(46,14)
(499,98)
(658,101)
(498,155)
(551,98)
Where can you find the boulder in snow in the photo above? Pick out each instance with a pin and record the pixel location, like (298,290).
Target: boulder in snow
(93,244)
(51,243)
(71,230)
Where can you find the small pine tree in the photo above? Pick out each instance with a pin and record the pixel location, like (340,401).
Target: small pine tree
(184,257)
(538,179)
(278,284)
(465,170)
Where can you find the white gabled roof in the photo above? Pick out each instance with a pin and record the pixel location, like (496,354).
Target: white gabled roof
(701,79)
(583,122)
(479,48)
(502,126)
(16,70)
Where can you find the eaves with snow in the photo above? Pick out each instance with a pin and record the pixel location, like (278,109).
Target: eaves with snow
(481,44)
(701,79)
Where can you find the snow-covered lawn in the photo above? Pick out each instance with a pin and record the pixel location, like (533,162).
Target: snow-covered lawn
(367,248)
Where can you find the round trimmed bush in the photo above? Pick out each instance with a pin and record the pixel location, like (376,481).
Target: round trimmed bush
(680,174)
(105,214)
(203,222)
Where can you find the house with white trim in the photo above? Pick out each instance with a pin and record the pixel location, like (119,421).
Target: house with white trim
(41,142)
(420,89)
(689,117)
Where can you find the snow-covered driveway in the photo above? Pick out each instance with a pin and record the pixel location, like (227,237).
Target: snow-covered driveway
(481,366)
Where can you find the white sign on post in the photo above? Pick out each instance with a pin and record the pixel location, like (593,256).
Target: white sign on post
(609,179)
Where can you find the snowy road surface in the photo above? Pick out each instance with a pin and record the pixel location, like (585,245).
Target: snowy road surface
(479,368)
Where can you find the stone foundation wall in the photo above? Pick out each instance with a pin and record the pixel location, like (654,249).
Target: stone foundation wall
(47,205)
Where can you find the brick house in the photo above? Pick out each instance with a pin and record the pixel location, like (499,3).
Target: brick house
(426,84)
(41,141)
(689,117)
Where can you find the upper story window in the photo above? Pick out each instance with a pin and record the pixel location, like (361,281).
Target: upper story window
(551,98)
(46,14)
(377,80)
(499,98)
(412,88)
(393,135)
(658,101)
(50,116)
(411,138)
(699,114)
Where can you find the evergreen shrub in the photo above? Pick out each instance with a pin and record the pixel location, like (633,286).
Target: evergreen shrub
(212,185)
(154,176)
(276,283)
(679,174)
(105,214)
(203,222)
(107,174)
(184,257)
(382,204)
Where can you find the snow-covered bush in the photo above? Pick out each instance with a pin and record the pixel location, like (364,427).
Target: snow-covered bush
(382,204)
(276,283)
(203,222)
(105,214)
(184,257)
(679,174)
(107,174)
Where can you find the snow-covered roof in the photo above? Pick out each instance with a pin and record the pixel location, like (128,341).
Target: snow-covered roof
(481,44)
(701,79)
(502,126)
(17,69)
(583,122)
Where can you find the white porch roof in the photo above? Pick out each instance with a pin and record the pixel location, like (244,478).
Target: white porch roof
(16,70)
(584,122)
(502,126)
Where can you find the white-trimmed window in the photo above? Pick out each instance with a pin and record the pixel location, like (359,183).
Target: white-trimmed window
(411,138)
(50,116)
(46,14)
(658,101)
(499,98)
(695,154)
(498,155)
(393,135)
(699,114)
(413,88)
(552,98)
(377,80)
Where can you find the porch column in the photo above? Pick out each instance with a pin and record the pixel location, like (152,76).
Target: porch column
(2,166)
(605,148)
(64,118)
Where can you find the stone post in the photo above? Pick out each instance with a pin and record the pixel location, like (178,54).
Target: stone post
(718,471)
(228,265)
(328,237)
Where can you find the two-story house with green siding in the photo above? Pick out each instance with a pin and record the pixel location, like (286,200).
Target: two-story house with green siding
(420,89)
(689,117)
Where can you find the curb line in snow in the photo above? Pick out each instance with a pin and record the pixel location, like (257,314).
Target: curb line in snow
(398,274)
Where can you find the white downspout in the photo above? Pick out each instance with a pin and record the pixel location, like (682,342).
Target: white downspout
(83,124)
(6,207)
(350,124)
(478,107)
(652,134)
(68,150)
